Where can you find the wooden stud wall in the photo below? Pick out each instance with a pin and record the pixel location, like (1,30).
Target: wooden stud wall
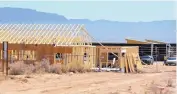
(103,52)
(78,55)
(35,52)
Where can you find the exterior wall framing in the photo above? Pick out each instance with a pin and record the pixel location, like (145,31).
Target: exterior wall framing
(103,52)
(38,41)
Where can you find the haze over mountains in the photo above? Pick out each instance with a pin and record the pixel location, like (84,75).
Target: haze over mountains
(102,30)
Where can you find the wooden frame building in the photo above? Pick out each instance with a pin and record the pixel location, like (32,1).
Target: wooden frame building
(105,55)
(70,42)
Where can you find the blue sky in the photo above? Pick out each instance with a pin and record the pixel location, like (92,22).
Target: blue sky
(126,11)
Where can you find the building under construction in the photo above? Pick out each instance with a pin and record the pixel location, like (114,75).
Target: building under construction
(148,47)
(67,43)
(33,42)
(62,43)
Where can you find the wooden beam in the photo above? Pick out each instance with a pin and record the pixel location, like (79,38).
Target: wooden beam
(154,41)
(131,41)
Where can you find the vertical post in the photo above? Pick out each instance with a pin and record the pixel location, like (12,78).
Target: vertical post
(156,59)
(169,50)
(5,55)
(54,58)
(3,61)
(65,57)
(152,47)
(107,59)
(19,55)
(99,59)
(156,52)
(166,50)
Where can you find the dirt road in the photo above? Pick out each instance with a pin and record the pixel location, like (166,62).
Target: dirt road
(88,83)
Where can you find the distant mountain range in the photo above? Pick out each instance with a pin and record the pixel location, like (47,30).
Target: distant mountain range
(102,30)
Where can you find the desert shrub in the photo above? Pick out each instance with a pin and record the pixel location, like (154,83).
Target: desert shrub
(64,68)
(72,67)
(75,67)
(78,67)
(29,69)
(87,68)
(55,68)
(39,70)
(41,67)
(17,68)
(20,67)
(45,64)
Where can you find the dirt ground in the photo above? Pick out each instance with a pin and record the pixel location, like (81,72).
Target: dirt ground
(91,83)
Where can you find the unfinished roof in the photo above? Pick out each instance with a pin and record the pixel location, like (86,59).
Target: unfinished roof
(154,41)
(132,41)
(59,34)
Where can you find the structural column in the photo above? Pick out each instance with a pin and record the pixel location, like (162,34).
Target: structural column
(152,47)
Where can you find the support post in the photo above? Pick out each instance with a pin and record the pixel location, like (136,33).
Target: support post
(166,51)
(156,59)
(107,59)
(152,47)
(5,55)
(2,61)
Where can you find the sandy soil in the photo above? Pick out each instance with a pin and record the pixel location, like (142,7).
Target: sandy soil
(90,83)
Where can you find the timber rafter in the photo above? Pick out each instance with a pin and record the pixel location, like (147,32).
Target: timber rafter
(58,34)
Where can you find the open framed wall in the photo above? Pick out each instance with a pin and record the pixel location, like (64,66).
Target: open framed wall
(105,55)
(37,41)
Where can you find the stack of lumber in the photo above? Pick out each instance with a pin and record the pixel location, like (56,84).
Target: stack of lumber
(130,63)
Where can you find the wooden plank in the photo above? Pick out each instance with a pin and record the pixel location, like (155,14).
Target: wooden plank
(134,60)
(139,64)
(126,65)
(129,62)
(132,64)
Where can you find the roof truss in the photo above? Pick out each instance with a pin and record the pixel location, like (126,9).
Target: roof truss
(59,34)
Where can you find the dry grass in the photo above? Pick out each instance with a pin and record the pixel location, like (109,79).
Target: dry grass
(78,67)
(55,68)
(17,68)
(64,68)
(20,68)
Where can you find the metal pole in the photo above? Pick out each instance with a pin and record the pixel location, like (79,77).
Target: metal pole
(166,50)
(156,53)
(156,59)
(152,46)
(169,49)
